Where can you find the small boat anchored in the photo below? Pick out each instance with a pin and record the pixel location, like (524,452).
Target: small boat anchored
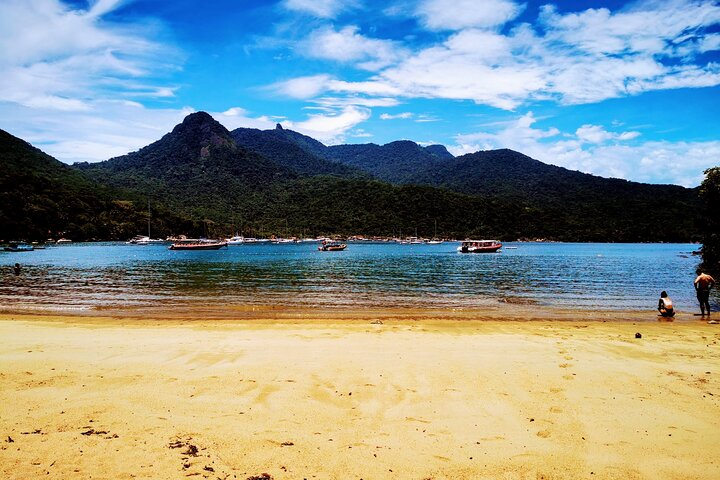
(479,246)
(331,246)
(143,240)
(191,244)
(19,247)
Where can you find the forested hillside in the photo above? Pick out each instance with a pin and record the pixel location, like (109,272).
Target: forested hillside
(42,198)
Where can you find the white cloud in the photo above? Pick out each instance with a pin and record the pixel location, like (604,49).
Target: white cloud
(459,14)
(598,134)
(573,58)
(303,87)
(592,149)
(331,129)
(347,45)
(403,115)
(237,117)
(320,8)
(57,57)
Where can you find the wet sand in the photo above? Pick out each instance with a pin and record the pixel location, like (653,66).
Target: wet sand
(338,395)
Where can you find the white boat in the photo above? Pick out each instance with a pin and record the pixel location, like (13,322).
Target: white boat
(143,240)
(236,240)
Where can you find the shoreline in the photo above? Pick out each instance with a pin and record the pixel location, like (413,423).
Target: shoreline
(263,313)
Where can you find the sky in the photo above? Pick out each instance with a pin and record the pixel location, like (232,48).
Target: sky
(614,88)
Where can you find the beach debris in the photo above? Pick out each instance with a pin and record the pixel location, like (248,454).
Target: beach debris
(208,468)
(262,476)
(638,335)
(377,322)
(287,444)
(10,440)
(34,432)
(94,432)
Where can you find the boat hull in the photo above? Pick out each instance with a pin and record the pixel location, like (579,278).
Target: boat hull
(197,246)
(332,248)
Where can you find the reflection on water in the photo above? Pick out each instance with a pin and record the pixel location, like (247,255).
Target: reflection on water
(588,276)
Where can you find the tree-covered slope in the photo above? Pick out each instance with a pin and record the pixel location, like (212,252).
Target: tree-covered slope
(291,150)
(396,162)
(668,211)
(41,198)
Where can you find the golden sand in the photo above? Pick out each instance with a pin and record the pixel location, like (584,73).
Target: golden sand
(312,394)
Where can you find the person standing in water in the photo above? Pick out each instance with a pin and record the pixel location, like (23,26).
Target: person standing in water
(665,305)
(703,283)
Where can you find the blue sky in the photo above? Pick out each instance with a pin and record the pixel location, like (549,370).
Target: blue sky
(617,89)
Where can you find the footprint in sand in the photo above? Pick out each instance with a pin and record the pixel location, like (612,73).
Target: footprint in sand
(556,410)
(565,365)
(543,434)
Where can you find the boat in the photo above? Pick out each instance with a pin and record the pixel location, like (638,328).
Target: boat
(143,240)
(63,240)
(332,246)
(479,246)
(236,240)
(19,247)
(198,245)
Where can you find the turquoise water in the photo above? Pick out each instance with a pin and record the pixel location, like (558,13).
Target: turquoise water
(585,276)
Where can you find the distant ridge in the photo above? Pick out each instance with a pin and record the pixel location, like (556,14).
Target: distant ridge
(290,149)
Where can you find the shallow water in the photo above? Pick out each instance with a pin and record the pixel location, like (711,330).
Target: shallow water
(562,275)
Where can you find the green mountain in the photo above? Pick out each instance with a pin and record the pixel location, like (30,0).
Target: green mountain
(297,152)
(196,169)
(42,198)
(628,208)
(396,162)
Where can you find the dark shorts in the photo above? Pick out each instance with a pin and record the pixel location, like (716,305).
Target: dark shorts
(668,313)
(703,295)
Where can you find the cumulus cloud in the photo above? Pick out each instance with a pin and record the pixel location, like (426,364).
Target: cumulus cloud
(598,134)
(331,128)
(459,14)
(571,58)
(348,45)
(594,149)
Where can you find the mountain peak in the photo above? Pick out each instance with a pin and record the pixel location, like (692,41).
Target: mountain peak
(278,126)
(439,151)
(203,129)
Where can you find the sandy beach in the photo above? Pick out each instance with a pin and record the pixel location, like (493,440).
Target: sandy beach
(312,395)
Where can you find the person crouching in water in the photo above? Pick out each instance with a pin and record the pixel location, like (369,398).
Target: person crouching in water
(665,305)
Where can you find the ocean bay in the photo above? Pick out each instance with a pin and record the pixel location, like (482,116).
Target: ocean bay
(583,276)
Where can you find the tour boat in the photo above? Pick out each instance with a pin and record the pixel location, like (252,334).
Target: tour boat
(198,245)
(479,246)
(332,246)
